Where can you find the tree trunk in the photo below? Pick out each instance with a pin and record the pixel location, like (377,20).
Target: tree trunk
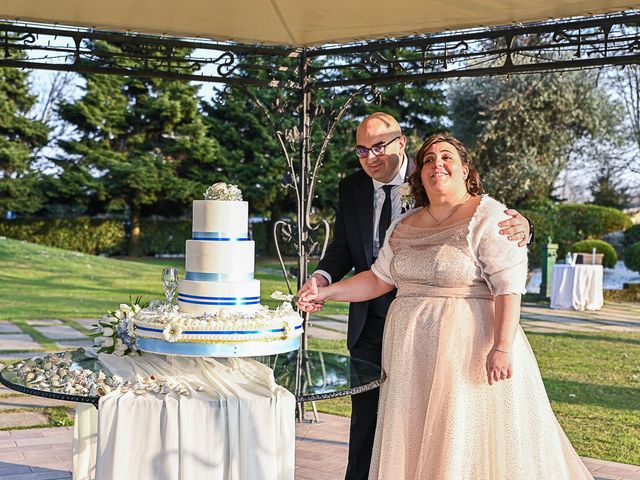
(276,213)
(134,239)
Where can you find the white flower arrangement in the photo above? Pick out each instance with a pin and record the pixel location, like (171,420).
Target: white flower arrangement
(173,322)
(223,191)
(406,196)
(114,331)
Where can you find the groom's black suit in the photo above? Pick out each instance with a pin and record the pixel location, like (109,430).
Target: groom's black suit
(352,248)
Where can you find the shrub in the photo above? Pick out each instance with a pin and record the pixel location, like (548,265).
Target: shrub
(632,235)
(81,234)
(544,229)
(587,246)
(164,236)
(632,257)
(592,221)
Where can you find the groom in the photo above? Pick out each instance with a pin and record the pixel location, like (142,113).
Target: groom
(368,201)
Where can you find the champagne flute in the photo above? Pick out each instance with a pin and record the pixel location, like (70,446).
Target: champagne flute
(169,282)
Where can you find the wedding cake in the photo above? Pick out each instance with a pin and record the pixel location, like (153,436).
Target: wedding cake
(218,311)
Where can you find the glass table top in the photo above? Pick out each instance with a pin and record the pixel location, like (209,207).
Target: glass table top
(309,374)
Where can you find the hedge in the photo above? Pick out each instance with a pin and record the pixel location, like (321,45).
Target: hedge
(632,235)
(82,234)
(632,257)
(108,236)
(592,221)
(587,246)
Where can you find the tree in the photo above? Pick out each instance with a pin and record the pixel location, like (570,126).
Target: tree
(136,141)
(608,192)
(255,161)
(523,129)
(19,137)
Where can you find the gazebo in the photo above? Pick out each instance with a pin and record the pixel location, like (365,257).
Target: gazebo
(375,43)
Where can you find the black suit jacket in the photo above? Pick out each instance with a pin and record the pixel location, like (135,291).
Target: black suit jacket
(351,248)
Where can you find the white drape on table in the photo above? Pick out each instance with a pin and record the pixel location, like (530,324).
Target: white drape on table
(577,287)
(240,427)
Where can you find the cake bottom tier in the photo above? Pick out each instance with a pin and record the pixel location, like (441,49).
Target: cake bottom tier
(198,297)
(240,349)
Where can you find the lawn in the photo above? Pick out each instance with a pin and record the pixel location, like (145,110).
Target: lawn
(593,379)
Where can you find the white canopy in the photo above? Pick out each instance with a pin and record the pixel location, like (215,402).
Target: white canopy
(298,22)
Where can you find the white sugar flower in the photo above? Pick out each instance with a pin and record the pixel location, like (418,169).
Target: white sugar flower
(172,332)
(107,342)
(107,331)
(223,191)
(278,295)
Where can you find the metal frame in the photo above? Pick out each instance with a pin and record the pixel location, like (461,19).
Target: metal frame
(353,69)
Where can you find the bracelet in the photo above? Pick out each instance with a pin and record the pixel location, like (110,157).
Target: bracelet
(498,350)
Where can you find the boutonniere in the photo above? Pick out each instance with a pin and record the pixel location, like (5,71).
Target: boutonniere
(406,196)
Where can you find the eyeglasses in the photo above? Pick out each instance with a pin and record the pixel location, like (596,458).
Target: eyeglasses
(377,150)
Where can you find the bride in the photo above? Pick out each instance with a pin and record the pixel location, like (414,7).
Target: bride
(462,397)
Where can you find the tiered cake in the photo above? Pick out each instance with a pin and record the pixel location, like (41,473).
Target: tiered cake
(220,260)
(218,311)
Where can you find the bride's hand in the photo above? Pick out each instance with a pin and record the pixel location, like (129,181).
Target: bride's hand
(499,366)
(310,297)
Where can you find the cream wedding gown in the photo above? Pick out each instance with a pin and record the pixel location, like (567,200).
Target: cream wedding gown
(438,418)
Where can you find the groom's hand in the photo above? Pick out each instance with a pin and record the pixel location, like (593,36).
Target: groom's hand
(309,291)
(516,228)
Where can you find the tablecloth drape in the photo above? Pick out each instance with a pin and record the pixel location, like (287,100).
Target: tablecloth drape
(239,427)
(577,287)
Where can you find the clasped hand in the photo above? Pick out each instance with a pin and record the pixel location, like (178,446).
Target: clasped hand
(310,295)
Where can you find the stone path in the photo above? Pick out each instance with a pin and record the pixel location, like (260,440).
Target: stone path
(321,452)
(618,317)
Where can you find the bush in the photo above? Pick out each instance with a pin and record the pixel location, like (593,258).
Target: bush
(587,246)
(81,234)
(100,236)
(632,235)
(592,221)
(544,229)
(164,236)
(632,257)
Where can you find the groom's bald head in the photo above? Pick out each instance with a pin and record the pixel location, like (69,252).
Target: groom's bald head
(377,129)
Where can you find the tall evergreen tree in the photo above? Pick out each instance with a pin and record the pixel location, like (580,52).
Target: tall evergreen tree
(136,141)
(523,129)
(19,137)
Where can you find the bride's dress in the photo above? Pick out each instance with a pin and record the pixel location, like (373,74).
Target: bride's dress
(438,418)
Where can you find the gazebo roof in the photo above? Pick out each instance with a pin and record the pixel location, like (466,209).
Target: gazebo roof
(298,22)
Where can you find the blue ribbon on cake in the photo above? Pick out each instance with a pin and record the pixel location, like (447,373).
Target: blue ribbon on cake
(218,277)
(242,349)
(200,300)
(220,236)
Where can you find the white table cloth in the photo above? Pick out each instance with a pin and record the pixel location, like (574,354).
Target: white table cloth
(577,287)
(240,427)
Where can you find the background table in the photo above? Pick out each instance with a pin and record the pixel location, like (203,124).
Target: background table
(577,287)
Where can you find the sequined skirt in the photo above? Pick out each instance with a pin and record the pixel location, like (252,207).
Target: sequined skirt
(438,417)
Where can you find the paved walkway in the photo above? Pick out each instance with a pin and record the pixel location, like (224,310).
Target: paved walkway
(617,317)
(321,452)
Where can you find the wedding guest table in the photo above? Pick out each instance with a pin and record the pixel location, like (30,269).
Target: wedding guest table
(577,287)
(227,418)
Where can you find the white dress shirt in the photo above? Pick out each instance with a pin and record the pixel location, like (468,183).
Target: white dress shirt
(378,200)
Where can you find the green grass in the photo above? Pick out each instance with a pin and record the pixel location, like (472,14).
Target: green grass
(592,379)
(43,282)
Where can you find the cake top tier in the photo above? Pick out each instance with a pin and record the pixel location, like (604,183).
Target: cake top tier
(222,216)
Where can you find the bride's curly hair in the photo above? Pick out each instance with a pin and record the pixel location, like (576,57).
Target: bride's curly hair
(473,184)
